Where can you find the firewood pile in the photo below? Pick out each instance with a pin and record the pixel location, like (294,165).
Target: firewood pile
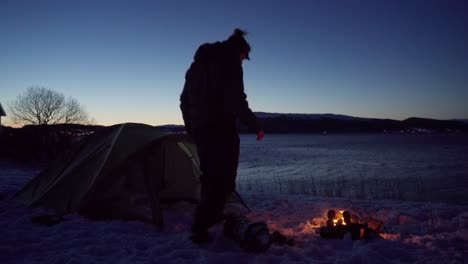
(341,223)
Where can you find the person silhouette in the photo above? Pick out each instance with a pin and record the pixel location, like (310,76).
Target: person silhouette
(212,101)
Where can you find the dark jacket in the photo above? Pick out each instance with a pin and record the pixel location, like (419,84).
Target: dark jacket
(213,97)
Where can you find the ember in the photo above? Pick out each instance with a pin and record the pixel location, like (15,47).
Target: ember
(338,224)
(339,219)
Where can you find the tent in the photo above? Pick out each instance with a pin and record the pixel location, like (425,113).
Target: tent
(125,171)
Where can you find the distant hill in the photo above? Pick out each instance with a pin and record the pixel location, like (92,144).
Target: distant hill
(264,115)
(460,120)
(332,123)
(40,142)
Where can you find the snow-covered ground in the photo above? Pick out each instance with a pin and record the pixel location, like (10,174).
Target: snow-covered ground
(414,233)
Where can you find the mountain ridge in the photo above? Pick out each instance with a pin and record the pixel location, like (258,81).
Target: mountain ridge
(337,123)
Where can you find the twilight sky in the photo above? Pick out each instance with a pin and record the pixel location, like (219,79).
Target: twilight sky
(125,60)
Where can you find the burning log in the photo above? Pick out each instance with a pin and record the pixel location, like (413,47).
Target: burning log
(338,224)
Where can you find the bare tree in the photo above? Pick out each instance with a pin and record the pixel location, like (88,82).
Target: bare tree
(42,106)
(74,113)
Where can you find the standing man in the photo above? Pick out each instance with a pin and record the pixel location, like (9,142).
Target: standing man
(212,101)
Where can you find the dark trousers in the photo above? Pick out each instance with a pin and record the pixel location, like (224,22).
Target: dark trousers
(219,158)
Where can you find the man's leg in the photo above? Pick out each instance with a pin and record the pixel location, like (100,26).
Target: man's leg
(211,203)
(219,166)
(230,164)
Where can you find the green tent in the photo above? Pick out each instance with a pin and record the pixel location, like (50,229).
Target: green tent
(124,171)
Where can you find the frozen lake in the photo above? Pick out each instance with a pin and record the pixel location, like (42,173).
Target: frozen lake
(383,166)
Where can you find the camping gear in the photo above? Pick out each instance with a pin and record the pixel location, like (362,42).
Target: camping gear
(251,236)
(124,171)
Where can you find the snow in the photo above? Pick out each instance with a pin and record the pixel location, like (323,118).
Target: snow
(414,232)
(405,167)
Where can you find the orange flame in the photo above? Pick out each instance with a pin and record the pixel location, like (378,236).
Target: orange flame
(339,217)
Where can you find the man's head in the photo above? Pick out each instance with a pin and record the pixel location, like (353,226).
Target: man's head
(237,40)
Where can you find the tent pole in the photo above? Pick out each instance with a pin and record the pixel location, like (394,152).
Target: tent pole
(241,200)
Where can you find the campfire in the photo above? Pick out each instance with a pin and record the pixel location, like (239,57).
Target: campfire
(337,219)
(341,222)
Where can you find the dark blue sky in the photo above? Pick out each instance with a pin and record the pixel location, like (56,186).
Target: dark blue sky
(126,60)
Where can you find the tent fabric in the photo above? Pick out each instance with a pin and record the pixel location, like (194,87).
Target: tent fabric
(124,171)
